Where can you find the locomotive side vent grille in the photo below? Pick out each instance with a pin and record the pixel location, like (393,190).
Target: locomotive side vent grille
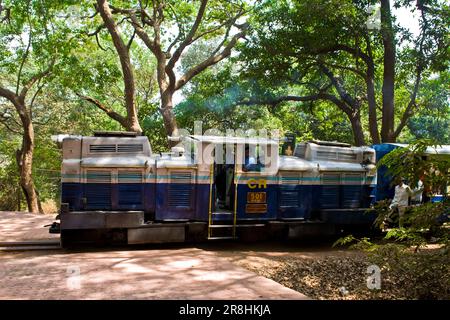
(180,189)
(351,194)
(102,148)
(288,199)
(130,148)
(130,189)
(98,176)
(300,151)
(353,178)
(330,191)
(98,190)
(326,155)
(180,177)
(129,177)
(290,179)
(330,179)
(347,156)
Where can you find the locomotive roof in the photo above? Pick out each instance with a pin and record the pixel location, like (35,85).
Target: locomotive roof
(108,161)
(293,163)
(233,140)
(442,149)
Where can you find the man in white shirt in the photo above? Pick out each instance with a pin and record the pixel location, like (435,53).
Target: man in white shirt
(400,201)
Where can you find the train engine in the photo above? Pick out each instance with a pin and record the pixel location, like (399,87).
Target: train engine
(115,190)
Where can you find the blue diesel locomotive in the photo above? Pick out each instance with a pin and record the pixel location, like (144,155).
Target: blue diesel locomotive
(116,190)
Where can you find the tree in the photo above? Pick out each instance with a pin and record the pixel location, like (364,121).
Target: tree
(327,51)
(30,47)
(152,21)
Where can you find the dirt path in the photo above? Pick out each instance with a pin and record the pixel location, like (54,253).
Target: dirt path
(164,273)
(20,226)
(151,272)
(315,268)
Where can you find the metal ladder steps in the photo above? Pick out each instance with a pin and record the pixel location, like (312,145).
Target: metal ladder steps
(221,226)
(237,226)
(221,238)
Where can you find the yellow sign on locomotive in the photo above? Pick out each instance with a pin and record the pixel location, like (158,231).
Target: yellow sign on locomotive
(256,208)
(256,197)
(261,183)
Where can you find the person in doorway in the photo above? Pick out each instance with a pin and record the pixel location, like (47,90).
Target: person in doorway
(249,161)
(220,183)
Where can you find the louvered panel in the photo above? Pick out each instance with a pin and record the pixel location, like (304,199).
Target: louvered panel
(290,179)
(101,148)
(130,195)
(98,190)
(330,190)
(330,179)
(326,155)
(179,195)
(129,177)
(180,189)
(352,179)
(130,148)
(98,196)
(300,151)
(180,177)
(98,176)
(330,196)
(351,196)
(130,189)
(347,156)
(288,199)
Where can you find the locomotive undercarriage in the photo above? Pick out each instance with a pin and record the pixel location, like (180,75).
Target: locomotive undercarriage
(100,228)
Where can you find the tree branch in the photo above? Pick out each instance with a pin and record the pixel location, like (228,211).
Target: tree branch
(213,59)
(411,104)
(340,47)
(142,34)
(33,80)
(25,56)
(339,87)
(110,113)
(354,70)
(190,35)
(275,101)
(8,94)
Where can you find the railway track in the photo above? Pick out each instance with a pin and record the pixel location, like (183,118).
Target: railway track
(30,245)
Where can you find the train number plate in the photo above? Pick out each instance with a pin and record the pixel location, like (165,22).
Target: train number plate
(256,197)
(256,208)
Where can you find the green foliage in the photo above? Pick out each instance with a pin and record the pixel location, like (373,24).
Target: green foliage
(406,253)
(411,164)
(355,243)
(276,58)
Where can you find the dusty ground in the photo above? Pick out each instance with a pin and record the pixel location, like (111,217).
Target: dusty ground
(323,272)
(276,270)
(315,269)
(151,272)
(21,226)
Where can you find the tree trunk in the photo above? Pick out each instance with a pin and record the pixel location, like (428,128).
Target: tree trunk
(358,132)
(170,123)
(25,164)
(387,32)
(125,62)
(372,103)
